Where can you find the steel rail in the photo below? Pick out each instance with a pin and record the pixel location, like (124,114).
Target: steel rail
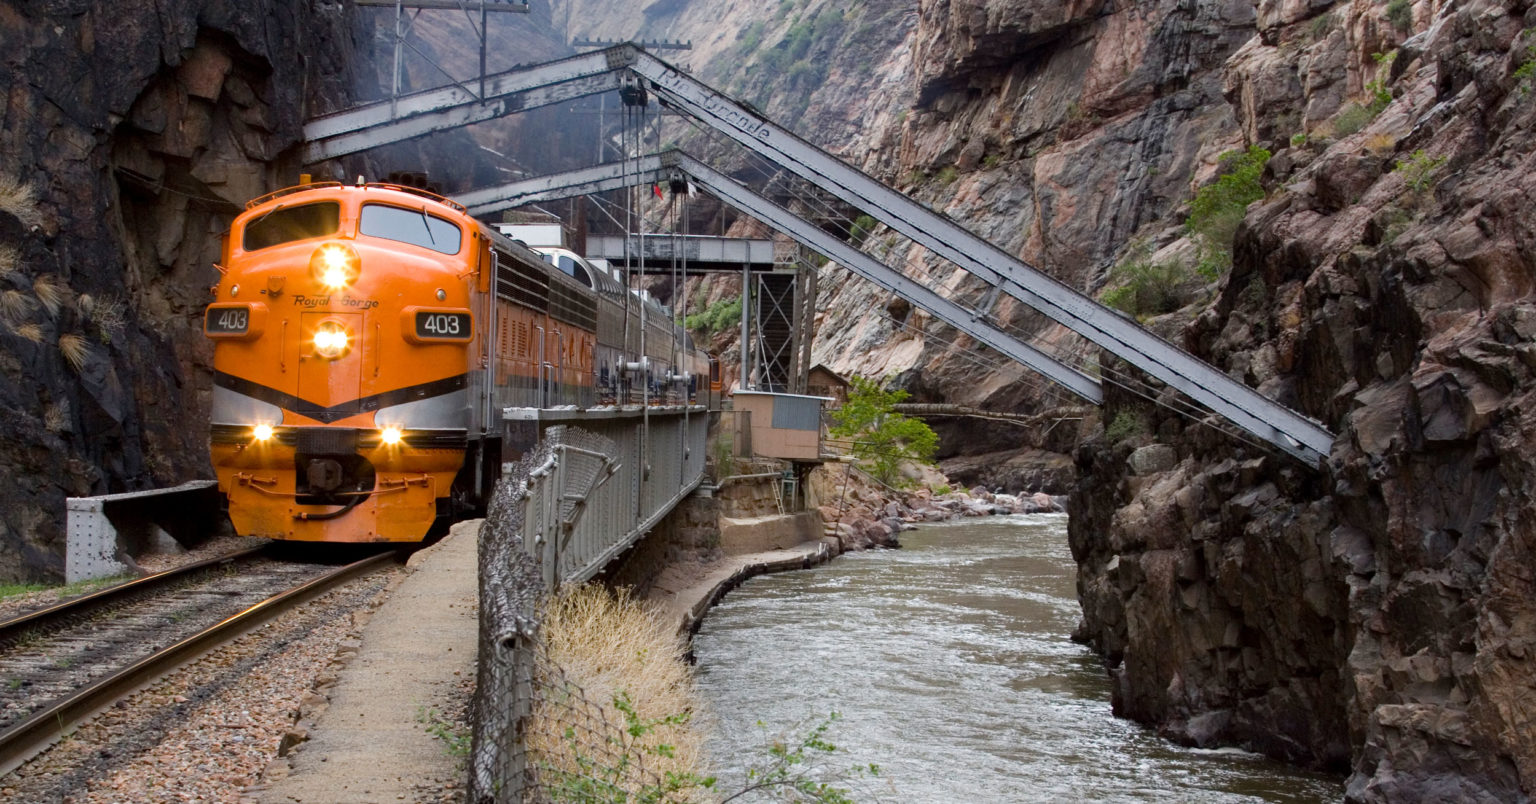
(30,737)
(13,629)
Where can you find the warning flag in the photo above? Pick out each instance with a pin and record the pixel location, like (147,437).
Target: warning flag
(656,190)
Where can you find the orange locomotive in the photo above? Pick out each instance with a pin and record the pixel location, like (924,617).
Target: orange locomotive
(367,339)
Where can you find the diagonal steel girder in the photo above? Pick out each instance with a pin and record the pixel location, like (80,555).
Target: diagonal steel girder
(661,167)
(1245,407)
(1239,404)
(585,181)
(419,113)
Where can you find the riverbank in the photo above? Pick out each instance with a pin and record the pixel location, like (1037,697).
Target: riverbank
(850,510)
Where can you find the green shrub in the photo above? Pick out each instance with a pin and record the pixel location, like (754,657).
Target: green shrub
(807,74)
(1219,207)
(1322,26)
(859,231)
(750,37)
(947,176)
(1353,118)
(1125,425)
(1527,69)
(716,318)
(1419,170)
(882,438)
(1145,288)
(1381,97)
(1400,14)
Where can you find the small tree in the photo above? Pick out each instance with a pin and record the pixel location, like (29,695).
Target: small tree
(1219,207)
(882,438)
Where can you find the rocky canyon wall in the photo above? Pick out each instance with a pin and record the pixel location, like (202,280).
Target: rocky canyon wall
(132,133)
(1378,615)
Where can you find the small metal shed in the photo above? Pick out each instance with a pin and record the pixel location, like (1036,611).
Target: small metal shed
(786,426)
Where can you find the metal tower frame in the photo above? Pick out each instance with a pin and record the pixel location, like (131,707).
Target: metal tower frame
(402,32)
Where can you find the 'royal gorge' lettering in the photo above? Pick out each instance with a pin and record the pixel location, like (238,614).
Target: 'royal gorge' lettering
(311,302)
(720,107)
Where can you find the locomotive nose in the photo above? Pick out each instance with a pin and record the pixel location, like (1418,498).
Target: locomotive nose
(324,474)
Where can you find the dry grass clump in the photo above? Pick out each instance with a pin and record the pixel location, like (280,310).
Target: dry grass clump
(31,332)
(10,261)
(15,306)
(51,293)
(20,200)
(75,349)
(56,416)
(609,648)
(109,314)
(1380,144)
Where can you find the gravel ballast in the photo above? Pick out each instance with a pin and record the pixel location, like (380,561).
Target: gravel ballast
(208,731)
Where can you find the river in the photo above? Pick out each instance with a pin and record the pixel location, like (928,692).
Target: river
(950,667)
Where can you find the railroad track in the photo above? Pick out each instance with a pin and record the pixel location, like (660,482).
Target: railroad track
(63,665)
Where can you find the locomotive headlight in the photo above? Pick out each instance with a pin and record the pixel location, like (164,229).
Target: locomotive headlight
(335,265)
(390,436)
(262,432)
(331,340)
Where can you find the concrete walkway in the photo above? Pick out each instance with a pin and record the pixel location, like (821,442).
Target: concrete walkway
(371,744)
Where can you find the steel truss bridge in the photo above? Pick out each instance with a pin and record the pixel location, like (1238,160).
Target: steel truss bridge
(635,74)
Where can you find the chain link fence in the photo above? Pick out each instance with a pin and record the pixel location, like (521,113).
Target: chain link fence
(537,735)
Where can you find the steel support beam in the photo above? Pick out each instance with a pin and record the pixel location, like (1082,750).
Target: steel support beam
(449,5)
(814,237)
(420,113)
(586,181)
(1245,407)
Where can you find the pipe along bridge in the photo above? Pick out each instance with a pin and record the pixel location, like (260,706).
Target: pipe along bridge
(637,74)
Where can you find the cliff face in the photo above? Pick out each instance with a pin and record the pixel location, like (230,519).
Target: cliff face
(1380,614)
(132,133)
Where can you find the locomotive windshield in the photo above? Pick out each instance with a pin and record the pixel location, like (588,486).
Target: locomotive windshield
(414,226)
(287,224)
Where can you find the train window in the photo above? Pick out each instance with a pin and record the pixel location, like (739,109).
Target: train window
(287,224)
(414,226)
(570,267)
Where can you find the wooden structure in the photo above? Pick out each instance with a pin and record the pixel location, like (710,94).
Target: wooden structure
(823,381)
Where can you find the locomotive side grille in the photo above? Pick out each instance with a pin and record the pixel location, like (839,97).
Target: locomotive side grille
(573,307)
(327,441)
(505,339)
(521,283)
